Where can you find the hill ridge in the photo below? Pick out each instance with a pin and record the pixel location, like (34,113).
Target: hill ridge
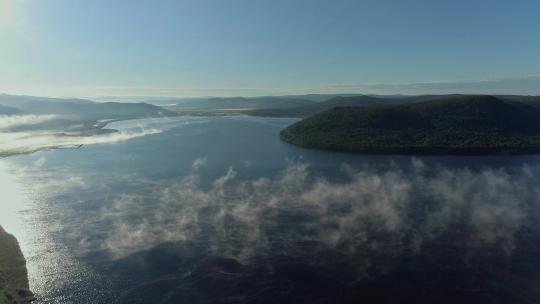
(479,124)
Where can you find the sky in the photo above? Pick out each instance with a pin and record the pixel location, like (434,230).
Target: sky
(252,47)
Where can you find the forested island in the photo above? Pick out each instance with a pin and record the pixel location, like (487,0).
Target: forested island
(13,274)
(456,124)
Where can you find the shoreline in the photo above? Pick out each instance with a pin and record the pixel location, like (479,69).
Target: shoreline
(418,151)
(14,284)
(94,128)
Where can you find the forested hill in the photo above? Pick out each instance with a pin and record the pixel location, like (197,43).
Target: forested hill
(455,124)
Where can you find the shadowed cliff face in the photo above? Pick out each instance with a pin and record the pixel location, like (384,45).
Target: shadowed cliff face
(13,275)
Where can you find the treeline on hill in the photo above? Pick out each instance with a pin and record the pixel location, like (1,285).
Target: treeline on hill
(444,125)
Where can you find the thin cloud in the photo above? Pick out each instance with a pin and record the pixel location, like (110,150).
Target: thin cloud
(11,121)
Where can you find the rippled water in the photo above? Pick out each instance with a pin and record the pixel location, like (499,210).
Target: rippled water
(223,196)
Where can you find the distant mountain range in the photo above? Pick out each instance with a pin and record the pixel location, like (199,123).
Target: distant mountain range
(271,106)
(304,105)
(243,103)
(5,110)
(80,108)
(369,100)
(191,100)
(315,107)
(453,124)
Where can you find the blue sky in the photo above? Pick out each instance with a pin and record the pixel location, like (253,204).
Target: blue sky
(252,47)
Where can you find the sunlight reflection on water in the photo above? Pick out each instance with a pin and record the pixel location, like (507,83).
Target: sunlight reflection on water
(15,211)
(13,201)
(33,224)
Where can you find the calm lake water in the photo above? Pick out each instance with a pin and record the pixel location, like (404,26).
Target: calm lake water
(221,201)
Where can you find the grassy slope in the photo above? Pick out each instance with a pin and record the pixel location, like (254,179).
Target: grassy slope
(13,274)
(445,125)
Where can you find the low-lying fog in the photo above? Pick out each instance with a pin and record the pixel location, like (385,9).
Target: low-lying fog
(21,134)
(372,210)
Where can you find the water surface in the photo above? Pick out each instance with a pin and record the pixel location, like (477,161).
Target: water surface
(221,201)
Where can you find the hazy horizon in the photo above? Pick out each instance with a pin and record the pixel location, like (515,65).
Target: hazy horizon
(529,86)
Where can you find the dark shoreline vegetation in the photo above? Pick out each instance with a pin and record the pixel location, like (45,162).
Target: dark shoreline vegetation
(14,286)
(453,125)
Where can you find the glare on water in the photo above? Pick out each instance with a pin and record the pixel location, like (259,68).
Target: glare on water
(12,202)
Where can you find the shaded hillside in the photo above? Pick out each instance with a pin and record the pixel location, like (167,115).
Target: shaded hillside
(13,275)
(219,102)
(16,101)
(242,103)
(445,125)
(339,101)
(96,111)
(530,100)
(319,97)
(81,108)
(5,110)
(372,100)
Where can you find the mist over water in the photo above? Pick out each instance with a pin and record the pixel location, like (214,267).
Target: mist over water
(17,136)
(241,218)
(223,198)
